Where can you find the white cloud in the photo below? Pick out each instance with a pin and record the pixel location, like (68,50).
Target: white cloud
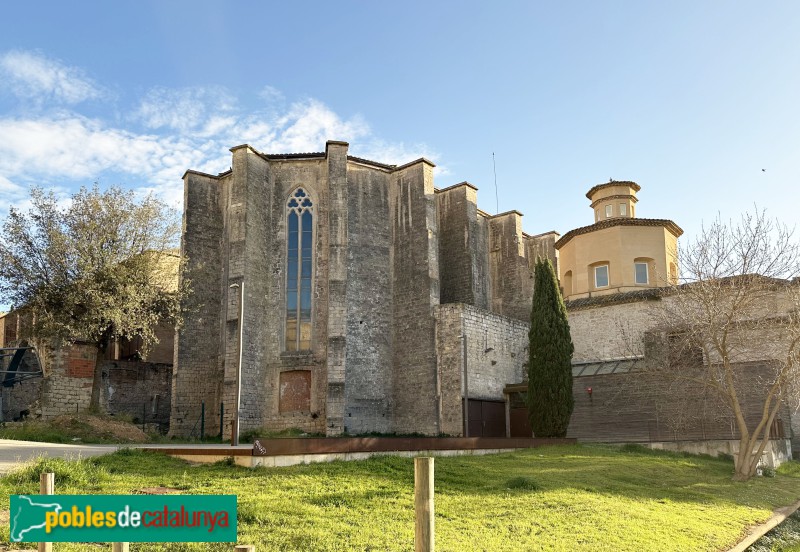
(271,94)
(188,128)
(305,127)
(395,153)
(185,109)
(9,188)
(32,75)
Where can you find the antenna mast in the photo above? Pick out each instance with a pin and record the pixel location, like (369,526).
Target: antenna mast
(496,195)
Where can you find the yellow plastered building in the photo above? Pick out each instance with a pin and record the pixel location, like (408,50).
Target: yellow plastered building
(619,252)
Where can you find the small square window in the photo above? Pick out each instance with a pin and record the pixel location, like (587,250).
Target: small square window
(622,209)
(609,211)
(601,276)
(641,273)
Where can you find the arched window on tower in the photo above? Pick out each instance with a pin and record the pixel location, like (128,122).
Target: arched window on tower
(299,269)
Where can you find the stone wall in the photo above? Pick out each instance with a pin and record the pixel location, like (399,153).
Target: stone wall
(496,352)
(462,247)
(511,272)
(610,331)
(197,374)
(624,408)
(141,391)
(260,191)
(415,288)
(368,373)
(22,398)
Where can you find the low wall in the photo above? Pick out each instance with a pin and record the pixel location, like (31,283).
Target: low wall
(291,451)
(138,389)
(776,453)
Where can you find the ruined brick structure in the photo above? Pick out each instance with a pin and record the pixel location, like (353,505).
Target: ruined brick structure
(373,302)
(138,389)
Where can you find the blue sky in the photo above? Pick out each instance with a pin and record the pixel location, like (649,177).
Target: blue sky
(689,99)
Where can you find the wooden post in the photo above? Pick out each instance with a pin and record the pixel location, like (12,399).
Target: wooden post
(120,547)
(423,504)
(47,484)
(245,548)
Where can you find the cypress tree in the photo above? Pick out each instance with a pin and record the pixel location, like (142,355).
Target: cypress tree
(550,400)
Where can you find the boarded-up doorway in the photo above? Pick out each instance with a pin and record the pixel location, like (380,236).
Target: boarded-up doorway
(295,391)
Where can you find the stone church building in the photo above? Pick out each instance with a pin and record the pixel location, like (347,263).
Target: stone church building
(372,301)
(366,300)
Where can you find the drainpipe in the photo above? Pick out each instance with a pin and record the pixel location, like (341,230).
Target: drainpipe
(238,401)
(466,381)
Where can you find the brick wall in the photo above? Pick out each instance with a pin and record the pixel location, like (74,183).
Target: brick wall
(66,390)
(81,361)
(67,387)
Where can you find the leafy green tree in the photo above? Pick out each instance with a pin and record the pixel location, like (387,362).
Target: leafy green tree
(97,267)
(550,400)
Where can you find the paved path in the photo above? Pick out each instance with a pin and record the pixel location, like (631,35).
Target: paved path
(14,453)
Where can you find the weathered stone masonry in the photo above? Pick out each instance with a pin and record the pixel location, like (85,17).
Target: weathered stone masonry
(389,250)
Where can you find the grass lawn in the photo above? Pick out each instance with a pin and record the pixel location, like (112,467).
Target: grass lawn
(554,498)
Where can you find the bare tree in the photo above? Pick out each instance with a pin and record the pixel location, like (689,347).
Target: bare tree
(96,268)
(737,304)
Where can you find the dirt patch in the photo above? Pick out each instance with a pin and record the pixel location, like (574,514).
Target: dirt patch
(86,427)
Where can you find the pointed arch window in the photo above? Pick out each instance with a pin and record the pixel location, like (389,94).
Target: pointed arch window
(299,269)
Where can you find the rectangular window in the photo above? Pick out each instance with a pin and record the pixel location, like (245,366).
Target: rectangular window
(641,273)
(601,276)
(622,209)
(609,211)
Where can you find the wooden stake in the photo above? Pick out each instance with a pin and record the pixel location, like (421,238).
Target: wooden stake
(47,484)
(120,547)
(423,504)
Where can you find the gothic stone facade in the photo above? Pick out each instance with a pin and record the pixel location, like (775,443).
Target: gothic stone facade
(372,302)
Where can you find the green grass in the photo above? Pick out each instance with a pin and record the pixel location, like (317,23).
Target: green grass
(554,498)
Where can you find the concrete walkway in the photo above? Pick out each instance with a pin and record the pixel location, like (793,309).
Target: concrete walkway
(755,533)
(16,453)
